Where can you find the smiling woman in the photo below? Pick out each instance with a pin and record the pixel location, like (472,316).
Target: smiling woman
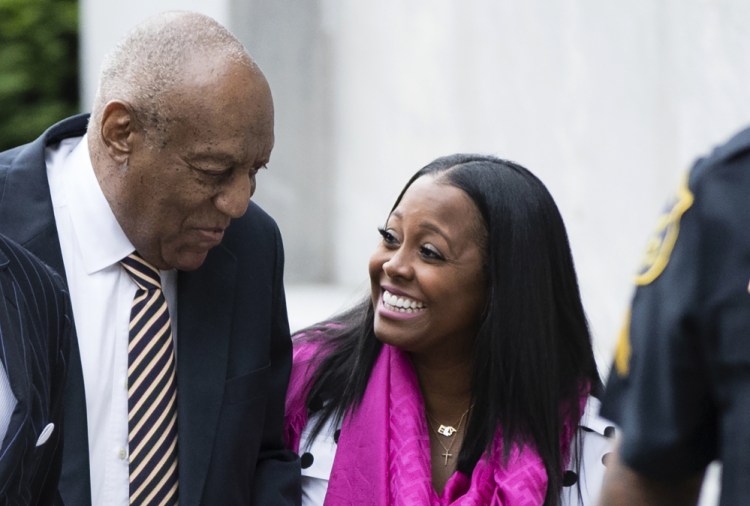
(430,258)
(462,377)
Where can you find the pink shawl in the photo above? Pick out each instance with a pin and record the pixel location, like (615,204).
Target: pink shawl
(383,455)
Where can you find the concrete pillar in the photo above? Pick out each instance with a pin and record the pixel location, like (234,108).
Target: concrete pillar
(289,41)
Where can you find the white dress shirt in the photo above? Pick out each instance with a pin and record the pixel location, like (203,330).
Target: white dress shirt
(101,293)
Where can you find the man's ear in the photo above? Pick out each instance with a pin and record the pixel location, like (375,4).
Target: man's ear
(117,129)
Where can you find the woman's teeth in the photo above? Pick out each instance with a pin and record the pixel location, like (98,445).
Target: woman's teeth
(401,304)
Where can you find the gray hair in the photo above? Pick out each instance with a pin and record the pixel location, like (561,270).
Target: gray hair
(150,61)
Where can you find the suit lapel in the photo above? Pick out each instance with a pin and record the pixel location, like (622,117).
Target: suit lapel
(205,307)
(26,210)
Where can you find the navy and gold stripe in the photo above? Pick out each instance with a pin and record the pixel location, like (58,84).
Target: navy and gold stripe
(152,391)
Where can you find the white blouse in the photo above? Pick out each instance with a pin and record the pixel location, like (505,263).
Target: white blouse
(596,436)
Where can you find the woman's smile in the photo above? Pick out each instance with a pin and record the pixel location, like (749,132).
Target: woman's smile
(401,303)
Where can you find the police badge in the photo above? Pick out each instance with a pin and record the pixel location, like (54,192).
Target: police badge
(655,260)
(661,242)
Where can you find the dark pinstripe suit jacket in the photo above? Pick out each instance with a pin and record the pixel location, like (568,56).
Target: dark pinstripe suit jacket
(34,330)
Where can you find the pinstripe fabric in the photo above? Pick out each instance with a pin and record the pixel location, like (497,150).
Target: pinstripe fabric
(152,391)
(34,336)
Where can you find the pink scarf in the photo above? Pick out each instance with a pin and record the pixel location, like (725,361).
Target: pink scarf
(383,454)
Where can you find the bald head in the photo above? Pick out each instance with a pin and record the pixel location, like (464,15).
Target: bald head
(154,59)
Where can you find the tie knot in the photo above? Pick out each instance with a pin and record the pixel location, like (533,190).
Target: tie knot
(145,275)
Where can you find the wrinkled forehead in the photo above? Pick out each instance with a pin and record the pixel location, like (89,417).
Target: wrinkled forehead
(234,100)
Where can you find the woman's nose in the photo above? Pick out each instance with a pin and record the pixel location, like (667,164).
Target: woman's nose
(398,265)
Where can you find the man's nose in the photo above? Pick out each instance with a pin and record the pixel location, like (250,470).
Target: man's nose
(234,198)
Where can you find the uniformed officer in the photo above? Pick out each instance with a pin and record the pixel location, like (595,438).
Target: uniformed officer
(680,384)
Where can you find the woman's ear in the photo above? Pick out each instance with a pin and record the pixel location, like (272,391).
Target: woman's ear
(117,130)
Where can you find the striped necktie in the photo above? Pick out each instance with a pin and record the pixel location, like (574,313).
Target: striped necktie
(152,391)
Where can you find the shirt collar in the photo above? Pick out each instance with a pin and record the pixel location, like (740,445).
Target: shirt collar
(97,232)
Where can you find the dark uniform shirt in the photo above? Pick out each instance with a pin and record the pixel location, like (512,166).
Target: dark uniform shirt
(680,384)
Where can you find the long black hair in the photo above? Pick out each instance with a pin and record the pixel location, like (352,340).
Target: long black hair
(532,357)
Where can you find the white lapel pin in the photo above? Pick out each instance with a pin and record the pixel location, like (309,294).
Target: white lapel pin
(46,433)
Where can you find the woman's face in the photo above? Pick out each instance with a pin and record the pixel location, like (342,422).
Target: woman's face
(428,284)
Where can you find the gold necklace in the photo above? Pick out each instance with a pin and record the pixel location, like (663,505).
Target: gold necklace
(447,431)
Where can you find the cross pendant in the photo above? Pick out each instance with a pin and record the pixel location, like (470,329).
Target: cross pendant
(447,455)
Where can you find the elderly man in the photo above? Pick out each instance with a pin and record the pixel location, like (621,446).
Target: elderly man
(182,351)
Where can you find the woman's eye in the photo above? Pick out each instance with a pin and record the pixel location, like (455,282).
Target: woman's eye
(430,253)
(388,237)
